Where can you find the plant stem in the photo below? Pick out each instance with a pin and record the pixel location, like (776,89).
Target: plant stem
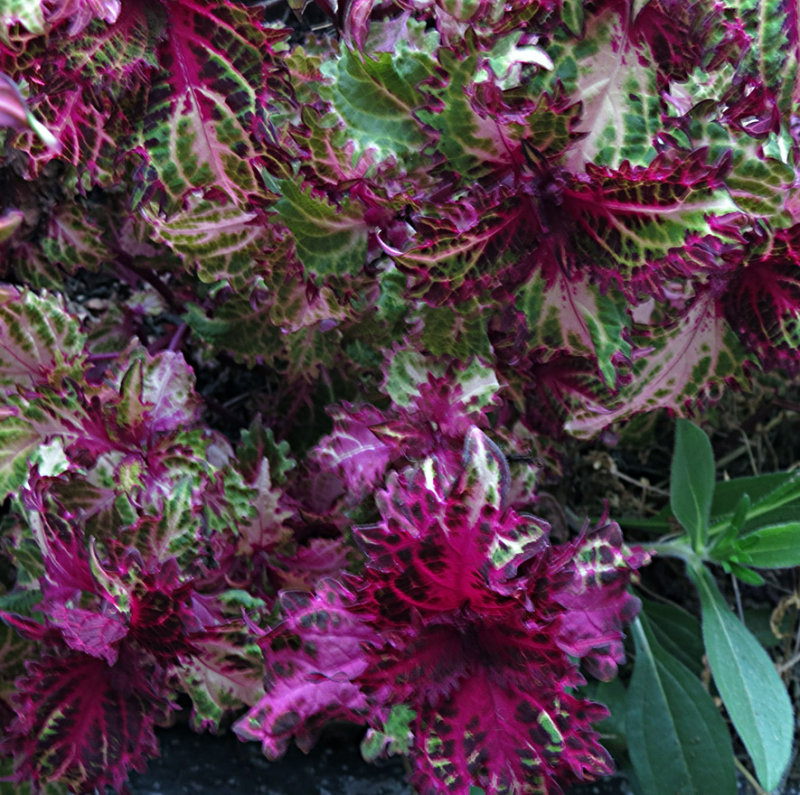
(749,776)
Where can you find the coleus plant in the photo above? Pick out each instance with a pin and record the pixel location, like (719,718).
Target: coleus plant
(462,602)
(583,194)
(526,218)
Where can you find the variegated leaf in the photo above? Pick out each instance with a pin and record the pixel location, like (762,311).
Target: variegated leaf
(611,73)
(683,363)
(39,342)
(329,239)
(573,315)
(203,104)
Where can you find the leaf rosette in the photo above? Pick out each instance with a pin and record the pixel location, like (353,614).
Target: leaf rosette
(463,602)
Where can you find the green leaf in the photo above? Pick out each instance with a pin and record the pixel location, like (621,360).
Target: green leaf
(725,545)
(742,572)
(692,481)
(572,16)
(329,239)
(677,740)
(773,547)
(614,696)
(677,632)
(377,97)
(754,696)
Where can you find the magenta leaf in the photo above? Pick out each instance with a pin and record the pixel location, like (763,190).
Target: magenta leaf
(82,722)
(522,738)
(462,602)
(88,631)
(313,658)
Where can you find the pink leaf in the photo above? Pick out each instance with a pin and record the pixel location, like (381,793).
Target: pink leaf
(313,658)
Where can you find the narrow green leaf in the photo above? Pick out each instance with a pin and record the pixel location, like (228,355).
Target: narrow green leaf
(727,493)
(725,547)
(743,573)
(773,547)
(677,740)
(692,481)
(677,632)
(754,695)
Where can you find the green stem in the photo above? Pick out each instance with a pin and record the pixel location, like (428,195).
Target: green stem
(678,548)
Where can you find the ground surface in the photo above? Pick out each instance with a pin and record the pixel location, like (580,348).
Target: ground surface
(193,764)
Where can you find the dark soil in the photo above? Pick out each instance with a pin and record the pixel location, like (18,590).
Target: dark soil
(195,764)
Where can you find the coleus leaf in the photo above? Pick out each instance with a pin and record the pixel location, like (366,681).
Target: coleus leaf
(156,394)
(222,240)
(311,683)
(297,302)
(310,350)
(10,221)
(408,369)
(14,113)
(451,619)
(519,740)
(18,441)
(771,55)
(239,326)
(630,218)
(226,674)
(573,315)
(377,95)
(470,143)
(74,239)
(92,131)
(309,564)
(612,75)
(548,392)
(40,343)
(258,442)
(83,723)
(362,456)
(172,528)
(762,303)
(203,105)
(264,529)
(456,331)
(697,353)
(365,441)
(28,13)
(329,239)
